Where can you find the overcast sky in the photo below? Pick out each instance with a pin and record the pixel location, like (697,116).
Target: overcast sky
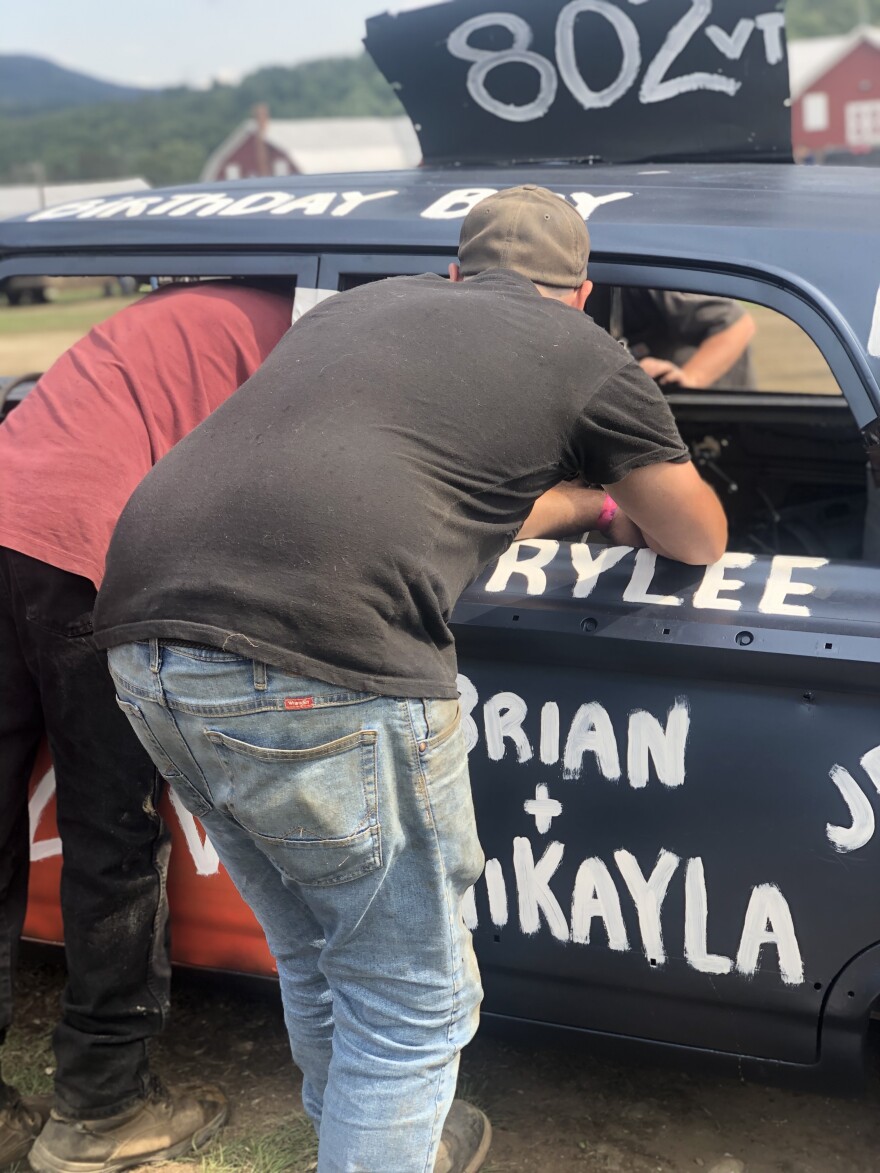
(167,42)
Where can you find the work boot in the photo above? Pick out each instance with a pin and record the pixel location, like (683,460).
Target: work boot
(467,1135)
(20,1124)
(157,1129)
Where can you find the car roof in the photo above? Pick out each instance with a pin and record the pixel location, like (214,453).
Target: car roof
(718,198)
(815,230)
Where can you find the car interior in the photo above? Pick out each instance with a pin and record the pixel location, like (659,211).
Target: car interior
(783,453)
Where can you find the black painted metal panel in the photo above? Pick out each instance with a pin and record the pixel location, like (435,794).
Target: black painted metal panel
(774,793)
(538,80)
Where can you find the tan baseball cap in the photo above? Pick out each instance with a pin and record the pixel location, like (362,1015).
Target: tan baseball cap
(530,230)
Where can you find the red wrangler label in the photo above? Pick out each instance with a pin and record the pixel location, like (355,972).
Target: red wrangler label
(299,702)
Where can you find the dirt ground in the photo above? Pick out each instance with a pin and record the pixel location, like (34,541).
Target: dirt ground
(553,1110)
(32,337)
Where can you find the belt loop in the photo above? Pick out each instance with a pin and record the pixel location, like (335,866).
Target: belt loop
(261,682)
(155,658)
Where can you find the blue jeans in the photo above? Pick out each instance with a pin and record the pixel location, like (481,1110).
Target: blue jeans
(346,822)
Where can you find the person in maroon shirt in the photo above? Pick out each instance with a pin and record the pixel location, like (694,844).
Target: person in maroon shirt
(70,456)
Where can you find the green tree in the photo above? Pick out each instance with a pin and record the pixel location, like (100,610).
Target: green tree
(816,18)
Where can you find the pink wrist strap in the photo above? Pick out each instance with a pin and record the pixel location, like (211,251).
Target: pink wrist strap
(607,515)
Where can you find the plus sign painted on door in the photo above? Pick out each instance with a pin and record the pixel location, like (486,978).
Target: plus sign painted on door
(543,809)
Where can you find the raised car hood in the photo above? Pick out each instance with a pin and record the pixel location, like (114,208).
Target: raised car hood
(618,81)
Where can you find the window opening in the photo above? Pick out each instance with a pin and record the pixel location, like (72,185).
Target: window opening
(43,316)
(762,414)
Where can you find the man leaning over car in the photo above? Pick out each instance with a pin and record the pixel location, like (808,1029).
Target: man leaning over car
(277,610)
(70,455)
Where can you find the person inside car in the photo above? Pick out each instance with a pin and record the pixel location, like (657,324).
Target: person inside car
(277,607)
(688,340)
(70,455)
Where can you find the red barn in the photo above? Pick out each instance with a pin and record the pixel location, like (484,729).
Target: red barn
(835,89)
(264,146)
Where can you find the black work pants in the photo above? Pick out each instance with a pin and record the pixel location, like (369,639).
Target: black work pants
(115,846)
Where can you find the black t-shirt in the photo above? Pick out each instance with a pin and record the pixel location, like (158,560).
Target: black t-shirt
(326,518)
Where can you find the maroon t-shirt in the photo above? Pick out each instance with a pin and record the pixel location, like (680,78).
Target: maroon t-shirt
(77,447)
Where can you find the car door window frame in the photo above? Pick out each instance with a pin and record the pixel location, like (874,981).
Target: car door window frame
(843,356)
(299,267)
(334,266)
(845,363)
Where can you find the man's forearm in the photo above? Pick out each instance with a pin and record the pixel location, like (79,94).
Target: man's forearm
(714,358)
(568,508)
(678,513)
(571,508)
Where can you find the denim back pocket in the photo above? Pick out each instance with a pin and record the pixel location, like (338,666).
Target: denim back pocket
(315,811)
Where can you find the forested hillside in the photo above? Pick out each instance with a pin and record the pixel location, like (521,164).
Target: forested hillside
(167,136)
(29,85)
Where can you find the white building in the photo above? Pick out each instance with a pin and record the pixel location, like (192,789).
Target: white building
(306,146)
(21,199)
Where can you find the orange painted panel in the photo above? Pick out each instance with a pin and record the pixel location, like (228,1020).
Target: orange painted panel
(211,927)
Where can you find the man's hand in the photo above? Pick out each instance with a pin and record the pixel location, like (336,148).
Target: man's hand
(710,362)
(623,531)
(666,373)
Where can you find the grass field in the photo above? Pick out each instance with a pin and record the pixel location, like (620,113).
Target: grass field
(786,359)
(32,337)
